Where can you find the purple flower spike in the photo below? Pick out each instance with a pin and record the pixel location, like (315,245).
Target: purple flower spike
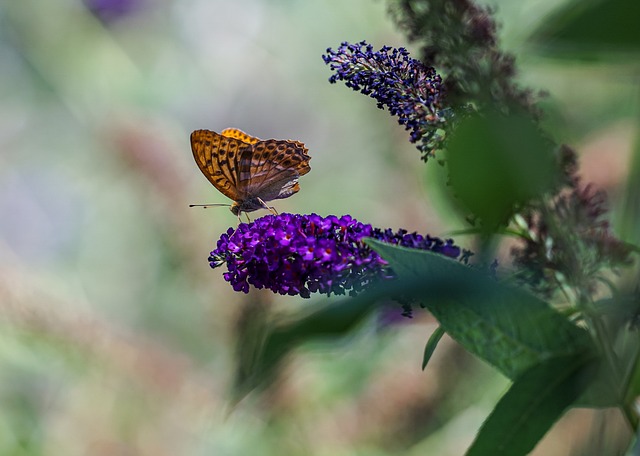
(409,89)
(295,254)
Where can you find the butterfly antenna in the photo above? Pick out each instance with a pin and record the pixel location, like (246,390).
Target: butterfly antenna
(209,205)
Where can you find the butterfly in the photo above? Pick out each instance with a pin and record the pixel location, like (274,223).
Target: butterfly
(249,170)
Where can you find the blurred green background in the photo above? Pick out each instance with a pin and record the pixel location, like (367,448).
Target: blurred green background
(117,338)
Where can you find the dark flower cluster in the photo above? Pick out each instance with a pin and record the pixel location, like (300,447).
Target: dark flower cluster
(294,254)
(460,38)
(569,234)
(409,89)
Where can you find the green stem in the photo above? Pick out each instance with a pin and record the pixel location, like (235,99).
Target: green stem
(628,409)
(603,339)
(631,416)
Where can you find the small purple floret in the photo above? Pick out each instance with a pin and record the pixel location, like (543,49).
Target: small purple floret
(295,254)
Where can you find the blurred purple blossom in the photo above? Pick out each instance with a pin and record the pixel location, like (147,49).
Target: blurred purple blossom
(110,10)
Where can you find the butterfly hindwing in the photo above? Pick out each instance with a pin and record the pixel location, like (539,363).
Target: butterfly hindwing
(271,168)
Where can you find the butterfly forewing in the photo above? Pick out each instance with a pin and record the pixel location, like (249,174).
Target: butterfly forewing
(218,158)
(239,134)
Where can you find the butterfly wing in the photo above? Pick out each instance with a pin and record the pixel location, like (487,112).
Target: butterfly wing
(271,168)
(236,133)
(218,157)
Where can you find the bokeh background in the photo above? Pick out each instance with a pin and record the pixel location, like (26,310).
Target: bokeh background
(118,339)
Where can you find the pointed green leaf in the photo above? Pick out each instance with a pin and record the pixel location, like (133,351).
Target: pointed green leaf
(431,345)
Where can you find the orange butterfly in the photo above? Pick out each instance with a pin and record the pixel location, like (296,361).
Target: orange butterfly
(249,170)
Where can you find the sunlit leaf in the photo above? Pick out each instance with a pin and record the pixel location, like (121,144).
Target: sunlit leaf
(631,200)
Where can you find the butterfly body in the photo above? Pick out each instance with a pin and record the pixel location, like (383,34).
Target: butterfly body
(248,170)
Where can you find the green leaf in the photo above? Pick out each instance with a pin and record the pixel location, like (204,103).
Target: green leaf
(264,349)
(431,345)
(496,162)
(533,403)
(592,29)
(627,223)
(633,374)
(507,327)
(603,390)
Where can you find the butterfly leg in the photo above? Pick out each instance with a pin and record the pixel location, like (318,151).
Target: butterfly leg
(240,219)
(269,208)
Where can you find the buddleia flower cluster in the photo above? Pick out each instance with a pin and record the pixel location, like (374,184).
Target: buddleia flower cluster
(409,89)
(460,38)
(294,254)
